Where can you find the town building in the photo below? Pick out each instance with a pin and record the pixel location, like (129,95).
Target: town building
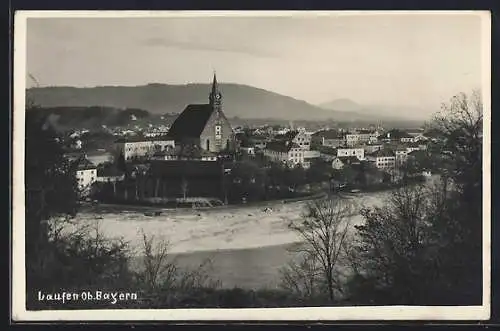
(137,147)
(361,137)
(259,142)
(370,148)
(415,147)
(408,138)
(85,174)
(311,155)
(286,152)
(300,138)
(249,151)
(383,159)
(204,125)
(333,142)
(357,152)
(329,138)
(175,155)
(339,162)
(157,132)
(401,155)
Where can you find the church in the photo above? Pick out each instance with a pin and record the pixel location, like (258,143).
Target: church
(204,126)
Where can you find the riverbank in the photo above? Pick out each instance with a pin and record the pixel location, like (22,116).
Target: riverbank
(248,268)
(247,245)
(190,230)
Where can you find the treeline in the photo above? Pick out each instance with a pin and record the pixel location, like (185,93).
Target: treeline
(64,118)
(422,247)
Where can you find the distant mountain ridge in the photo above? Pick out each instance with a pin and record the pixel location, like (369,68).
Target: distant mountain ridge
(374,111)
(342,104)
(241,101)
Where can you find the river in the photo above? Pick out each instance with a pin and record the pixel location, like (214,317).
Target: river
(247,246)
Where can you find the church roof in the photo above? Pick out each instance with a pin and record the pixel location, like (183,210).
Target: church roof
(191,122)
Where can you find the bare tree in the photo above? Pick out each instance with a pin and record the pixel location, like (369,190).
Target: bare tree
(184,188)
(302,277)
(324,231)
(156,267)
(461,124)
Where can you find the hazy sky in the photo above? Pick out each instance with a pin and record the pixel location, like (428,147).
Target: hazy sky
(399,60)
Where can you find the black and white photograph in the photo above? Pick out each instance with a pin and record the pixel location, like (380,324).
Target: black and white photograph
(233,165)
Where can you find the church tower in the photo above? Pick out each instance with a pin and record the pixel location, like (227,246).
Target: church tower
(215,96)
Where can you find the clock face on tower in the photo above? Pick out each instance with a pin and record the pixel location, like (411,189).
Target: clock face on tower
(217,96)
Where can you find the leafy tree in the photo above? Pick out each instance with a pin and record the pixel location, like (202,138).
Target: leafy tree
(247,180)
(348,174)
(190,151)
(60,253)
(50,188)
(319,171)
(390,251)
(295,176)
(424,246)
(459,233)
(121,165)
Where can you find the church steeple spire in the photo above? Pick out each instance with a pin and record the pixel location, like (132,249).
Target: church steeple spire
(215,96)
(215,87)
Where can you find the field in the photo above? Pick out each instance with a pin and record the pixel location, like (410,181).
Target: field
(247,245)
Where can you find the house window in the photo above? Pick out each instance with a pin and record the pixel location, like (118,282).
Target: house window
(208,144)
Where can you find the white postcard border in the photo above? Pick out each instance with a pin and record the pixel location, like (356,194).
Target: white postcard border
(18,291)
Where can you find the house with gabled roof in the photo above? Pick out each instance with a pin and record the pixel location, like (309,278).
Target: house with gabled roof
(339,162)
(136,147)
(85,174)
(286,152)
(383,159)
(300,138)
